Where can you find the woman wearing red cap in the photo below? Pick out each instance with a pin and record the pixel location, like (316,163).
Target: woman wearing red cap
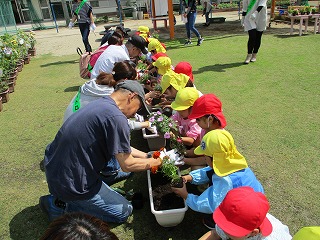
(243,215)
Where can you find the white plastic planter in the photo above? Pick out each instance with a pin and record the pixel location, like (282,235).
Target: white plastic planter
(155,141)
(166,218)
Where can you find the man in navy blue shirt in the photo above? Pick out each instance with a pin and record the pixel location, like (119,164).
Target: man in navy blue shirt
(81,149)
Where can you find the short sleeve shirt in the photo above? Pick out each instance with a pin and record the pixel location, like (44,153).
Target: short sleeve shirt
(82,147)
(84,13)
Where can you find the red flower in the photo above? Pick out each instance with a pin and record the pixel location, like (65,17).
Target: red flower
(156,154)
(154,169)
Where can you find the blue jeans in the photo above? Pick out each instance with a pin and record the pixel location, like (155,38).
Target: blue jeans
(190,25)
(112,172)
(107,205)
(85,30)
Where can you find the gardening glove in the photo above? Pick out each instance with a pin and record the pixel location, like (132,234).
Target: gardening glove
(92,27)
(176,157)
(71,24)
(254,15)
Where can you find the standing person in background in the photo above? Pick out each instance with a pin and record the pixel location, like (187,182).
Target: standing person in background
(82,12)
(207,7)
(190,14)
(254,20)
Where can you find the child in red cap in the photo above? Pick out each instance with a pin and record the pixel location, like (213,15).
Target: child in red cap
(243,214)
(185,68)
(207,111)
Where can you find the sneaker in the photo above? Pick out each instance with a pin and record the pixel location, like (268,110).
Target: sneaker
(200,40)
(188,42)
(208,222)
(48,206)
(248,58)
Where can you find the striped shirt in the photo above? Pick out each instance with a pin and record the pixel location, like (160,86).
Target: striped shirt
(84,12)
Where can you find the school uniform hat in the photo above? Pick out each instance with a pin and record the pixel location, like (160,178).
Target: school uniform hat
(242,211)
(138,42)
(185,68)
(154,44)
(135,86)
(143,29)
(185,98)
(308,233)
(163,64)
(219,145)
(208,104)
(177,81)
(157,55)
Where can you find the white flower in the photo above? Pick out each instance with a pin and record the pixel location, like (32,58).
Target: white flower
(21,41)
(7,51)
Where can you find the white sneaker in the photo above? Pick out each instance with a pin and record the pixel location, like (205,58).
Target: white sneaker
(254,57)
(249,56)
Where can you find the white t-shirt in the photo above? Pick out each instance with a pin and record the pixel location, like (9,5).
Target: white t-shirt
(108,58)
(279,231)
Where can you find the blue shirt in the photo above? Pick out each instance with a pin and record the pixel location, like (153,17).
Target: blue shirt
(81,148)
(211,198)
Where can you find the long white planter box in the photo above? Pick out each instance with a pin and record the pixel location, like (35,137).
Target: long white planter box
(166,218)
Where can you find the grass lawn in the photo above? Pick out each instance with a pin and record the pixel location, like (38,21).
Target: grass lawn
(271,106)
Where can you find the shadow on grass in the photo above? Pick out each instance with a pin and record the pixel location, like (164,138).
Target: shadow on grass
(30,223)
(72,89)
(59,63)
(218,67)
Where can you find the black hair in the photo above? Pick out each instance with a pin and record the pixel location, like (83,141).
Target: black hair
(78,226)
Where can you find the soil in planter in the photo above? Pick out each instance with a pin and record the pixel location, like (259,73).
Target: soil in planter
(163,197)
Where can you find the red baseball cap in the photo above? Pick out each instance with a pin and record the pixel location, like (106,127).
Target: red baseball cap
(242,211)
(185,68)
(157,55)
(208,104)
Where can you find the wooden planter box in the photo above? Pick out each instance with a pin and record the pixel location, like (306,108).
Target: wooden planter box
(171,217)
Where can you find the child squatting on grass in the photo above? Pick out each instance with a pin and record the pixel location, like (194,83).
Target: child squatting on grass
(243,215)
(227,169)
(207,111)
(189,129)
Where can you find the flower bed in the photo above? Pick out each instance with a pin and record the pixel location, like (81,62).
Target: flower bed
(13,54)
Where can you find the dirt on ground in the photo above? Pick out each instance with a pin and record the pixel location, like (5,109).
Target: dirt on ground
(65,41)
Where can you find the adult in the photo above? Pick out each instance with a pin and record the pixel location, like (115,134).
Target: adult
(254,20)
(102,86)
(207,8)
(132,49)
(78,226)
(82,13)
(243,215)
(81,149)
(190,14)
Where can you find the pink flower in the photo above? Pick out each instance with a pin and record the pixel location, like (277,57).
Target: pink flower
(167,135)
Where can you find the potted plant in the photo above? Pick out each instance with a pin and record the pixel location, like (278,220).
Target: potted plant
(307,9)
(4,91)
(302,11)
(168,208)
(295,12)
(1,106)
(313,10)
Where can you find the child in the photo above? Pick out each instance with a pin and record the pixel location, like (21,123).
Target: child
(172,82)
(227,169)
(207,112)
(155,46)
(185,68)
(243,214)
(189,129)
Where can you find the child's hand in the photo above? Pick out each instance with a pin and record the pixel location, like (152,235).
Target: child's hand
(182,192)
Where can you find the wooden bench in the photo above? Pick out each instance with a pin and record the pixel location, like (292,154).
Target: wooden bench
(164,19)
